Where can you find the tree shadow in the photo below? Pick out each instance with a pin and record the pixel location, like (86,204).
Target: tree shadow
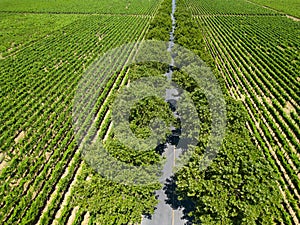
(186,204)
(147,216)
(160,148)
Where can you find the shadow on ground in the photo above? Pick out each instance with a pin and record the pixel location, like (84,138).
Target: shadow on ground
(186,205)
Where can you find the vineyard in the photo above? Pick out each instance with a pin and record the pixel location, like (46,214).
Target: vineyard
(290,7)
(257,54)
(46,47)
(39,73)
(143,7)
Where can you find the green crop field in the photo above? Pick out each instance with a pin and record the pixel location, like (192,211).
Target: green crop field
(16,29)
(291,7)
(78,6)
(48,46)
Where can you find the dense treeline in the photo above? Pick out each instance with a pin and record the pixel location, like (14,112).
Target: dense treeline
(161,25)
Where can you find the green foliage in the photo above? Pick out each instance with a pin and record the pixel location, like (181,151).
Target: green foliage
(145,111)
(147,69)
(231,7)
(291,7)
(189,35)
(130,156)
(80,6)
(239,187)
(112,203)
(17,30)
(161,25)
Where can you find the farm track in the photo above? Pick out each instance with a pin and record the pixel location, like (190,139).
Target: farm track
(237,15)
(214,48)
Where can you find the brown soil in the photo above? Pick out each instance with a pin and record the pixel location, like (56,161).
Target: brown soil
(86,219)
(3,163)
(293,18)
(20,136)
(66,198)
(73,216)
(288,108)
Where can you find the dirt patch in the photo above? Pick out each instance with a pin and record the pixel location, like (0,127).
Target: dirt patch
(288,108)
(20,137)
(73,215)
(100,36)
(128,83)
(57,65)
(242,98)
(3,163)
(86,219)
(47,154)
(268,100)
(2,157)
(259,98)
(293,18)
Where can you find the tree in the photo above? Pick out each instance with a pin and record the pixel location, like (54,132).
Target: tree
(239,187)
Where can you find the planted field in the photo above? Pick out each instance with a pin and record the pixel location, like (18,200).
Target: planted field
(16,29)
(291,7)
(258,56)
(231,7)
(77,6)
(43,58)
(47,46)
